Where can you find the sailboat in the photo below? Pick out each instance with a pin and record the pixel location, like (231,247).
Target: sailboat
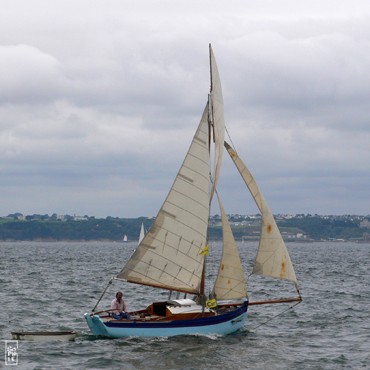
(173,254)
(125,239)
(142,233)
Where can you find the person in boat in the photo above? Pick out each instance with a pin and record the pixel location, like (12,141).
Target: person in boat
(119,307)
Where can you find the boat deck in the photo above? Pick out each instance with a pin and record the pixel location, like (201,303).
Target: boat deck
(161,311)
(134,317)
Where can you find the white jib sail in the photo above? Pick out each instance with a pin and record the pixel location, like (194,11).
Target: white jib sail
(272,257)
(230,282)
(216,115)
(168,256)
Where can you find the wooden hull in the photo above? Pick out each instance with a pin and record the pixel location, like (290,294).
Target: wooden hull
(44,335)
(222,323)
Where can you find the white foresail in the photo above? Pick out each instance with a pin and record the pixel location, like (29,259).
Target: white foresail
(216,116)
(272,257)
(169,255)
(230,282)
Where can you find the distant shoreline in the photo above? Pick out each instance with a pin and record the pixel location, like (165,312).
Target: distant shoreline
(136,242)
(299,228)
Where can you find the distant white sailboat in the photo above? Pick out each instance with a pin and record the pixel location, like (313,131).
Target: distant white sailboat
(172,254)
(142,233)
(125,239)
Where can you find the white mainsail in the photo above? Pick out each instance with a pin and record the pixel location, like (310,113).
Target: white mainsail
(230,282)
(216,117)
(169,255)
(272,257)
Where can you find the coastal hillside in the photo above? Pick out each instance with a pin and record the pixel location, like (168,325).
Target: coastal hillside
(305,228)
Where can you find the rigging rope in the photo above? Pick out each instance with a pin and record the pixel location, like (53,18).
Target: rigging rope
(110,282)
(231,142)
(274,317)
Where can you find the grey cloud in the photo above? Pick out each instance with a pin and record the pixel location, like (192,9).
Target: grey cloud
(98,103)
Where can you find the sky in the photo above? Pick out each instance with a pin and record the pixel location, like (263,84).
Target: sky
(99,101)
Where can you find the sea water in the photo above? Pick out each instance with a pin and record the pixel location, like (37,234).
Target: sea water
(49,286)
